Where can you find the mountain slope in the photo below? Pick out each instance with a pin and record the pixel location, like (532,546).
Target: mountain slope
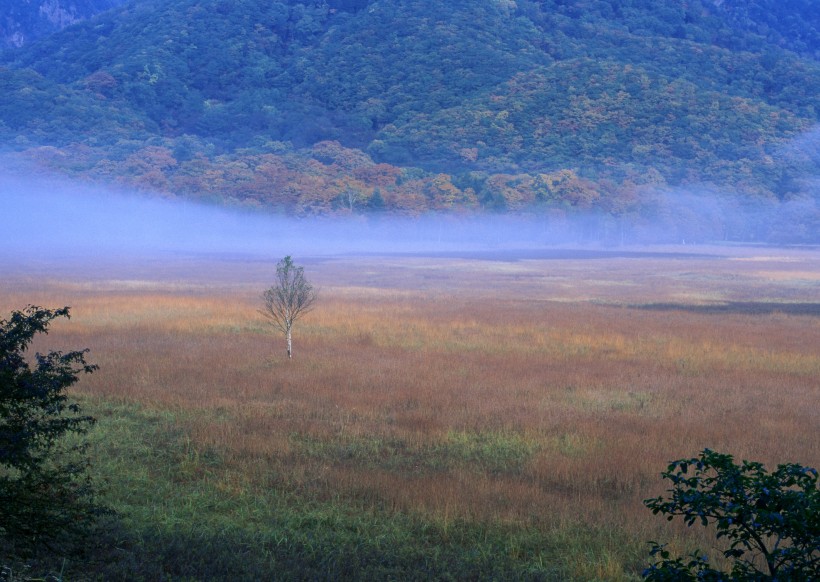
(696,92)
(24,21)
(790,24)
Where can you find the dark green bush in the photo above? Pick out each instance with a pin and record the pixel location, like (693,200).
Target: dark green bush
(771,520)
(46,494)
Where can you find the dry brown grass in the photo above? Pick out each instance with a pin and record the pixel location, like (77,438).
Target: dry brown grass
(535,391)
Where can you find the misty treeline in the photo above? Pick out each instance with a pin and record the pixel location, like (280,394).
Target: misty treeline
(331,181)
(572,112)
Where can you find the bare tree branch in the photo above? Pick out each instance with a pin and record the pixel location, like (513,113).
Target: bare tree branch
(288,299)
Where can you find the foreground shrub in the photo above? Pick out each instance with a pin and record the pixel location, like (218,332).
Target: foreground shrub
(771,520)
(46,495)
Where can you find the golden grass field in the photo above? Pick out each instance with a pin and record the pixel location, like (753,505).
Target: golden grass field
(541,391)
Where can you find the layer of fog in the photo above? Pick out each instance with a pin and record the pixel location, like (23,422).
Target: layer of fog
(59,218)
(51,217)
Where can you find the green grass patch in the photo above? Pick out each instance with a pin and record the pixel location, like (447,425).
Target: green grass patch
(187,513)
(493,451)
(608,400)
(484,452)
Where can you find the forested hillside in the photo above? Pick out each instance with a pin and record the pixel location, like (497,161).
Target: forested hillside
(550,108)
(23,21)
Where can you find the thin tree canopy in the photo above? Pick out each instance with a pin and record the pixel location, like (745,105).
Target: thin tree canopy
(289,298)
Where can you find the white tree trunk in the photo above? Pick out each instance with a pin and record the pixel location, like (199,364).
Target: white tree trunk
(290,345)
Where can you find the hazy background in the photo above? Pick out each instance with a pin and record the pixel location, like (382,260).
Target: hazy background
(51,216)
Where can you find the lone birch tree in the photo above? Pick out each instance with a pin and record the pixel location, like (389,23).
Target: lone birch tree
(288,299)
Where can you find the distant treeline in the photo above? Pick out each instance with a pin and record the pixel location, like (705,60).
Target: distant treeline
(333,181)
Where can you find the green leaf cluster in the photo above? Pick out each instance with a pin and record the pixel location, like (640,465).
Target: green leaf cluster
(770,521)
(45,491)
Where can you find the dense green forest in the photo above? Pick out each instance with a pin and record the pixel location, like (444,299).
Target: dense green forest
(548,108)
(24,21)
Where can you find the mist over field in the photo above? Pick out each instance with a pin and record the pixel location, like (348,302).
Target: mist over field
(63,218)
(54,217)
